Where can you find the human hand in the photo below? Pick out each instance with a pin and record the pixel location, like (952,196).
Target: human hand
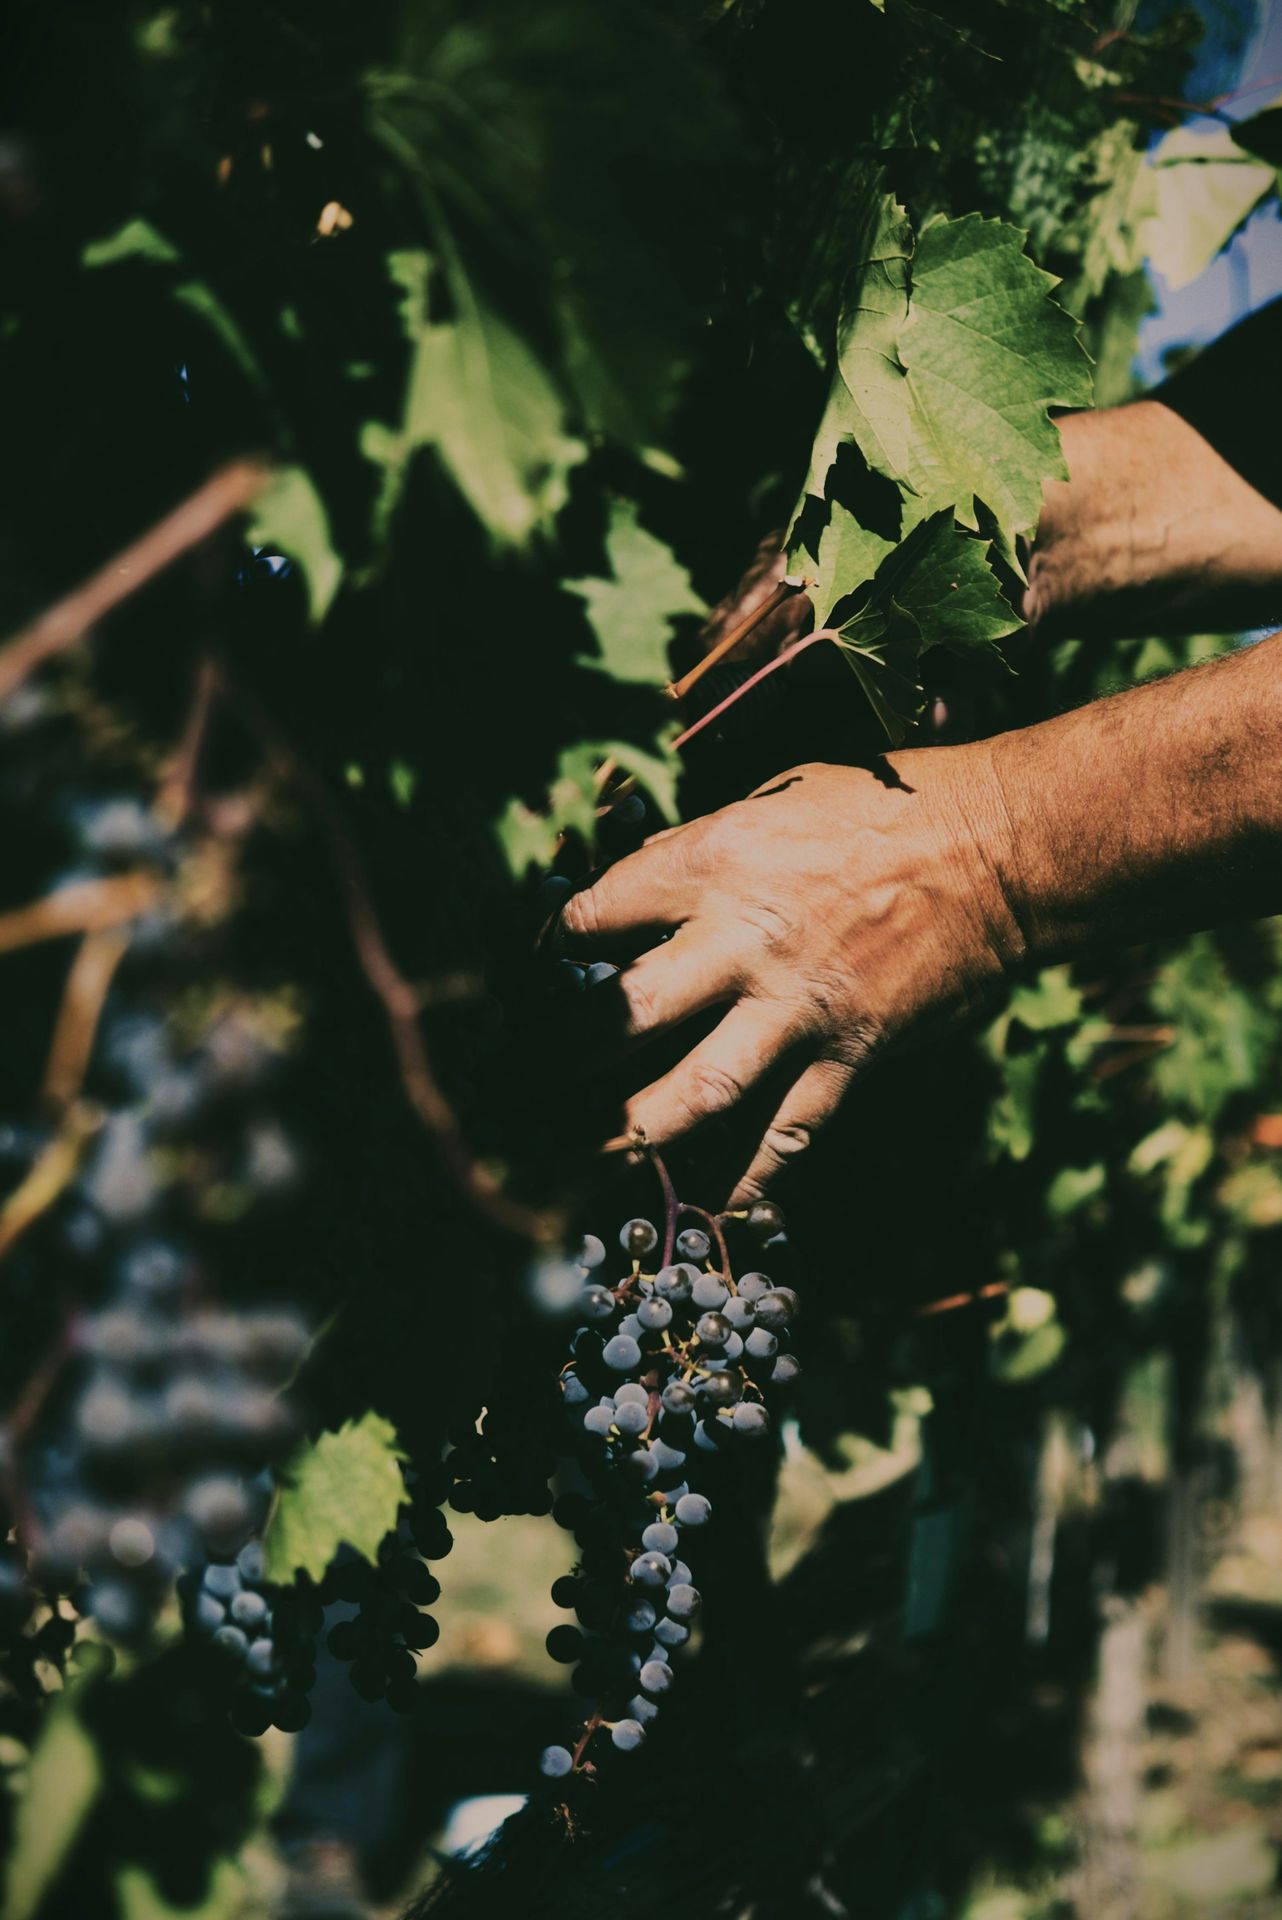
(835,912)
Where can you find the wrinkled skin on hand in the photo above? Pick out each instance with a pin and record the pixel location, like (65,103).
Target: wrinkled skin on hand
(834,913)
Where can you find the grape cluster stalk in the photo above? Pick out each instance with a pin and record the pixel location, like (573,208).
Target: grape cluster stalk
(676,1361)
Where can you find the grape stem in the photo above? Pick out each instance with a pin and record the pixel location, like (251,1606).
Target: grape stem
(589,1728)
(785,589)
(225,494)
(399,999)
(783,659)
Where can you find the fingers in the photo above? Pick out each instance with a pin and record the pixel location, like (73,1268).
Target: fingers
(809,1106)
(715,1075)
(647,893)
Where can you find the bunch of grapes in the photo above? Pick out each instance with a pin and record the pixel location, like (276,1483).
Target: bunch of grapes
(671,1364)
(392,1625)
(266,1634)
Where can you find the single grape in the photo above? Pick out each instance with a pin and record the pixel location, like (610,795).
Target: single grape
(660,1537)
(750,1417)
(693,1244)
(640,1616)
(556,1762)
(764,1218)
(638,1238)
(733,1349)
(719,1390)
(693,1510)
(250,1562)
(208,1612)
(591,1252)
(630,1418)
(249,1610)
(232,1641)
(627,1735)
(684,1601)
(667,1459)
(622,1353)
(709,1290)
(656,1676)
(650,1569)
(787,1368)
(641,1465)
(713,1329)
(630,1390)
(573,1391)
(705,1438)
(671,1633)
(599,1420)
(643,1710)
(261,1659)
(776,1308)
(679,1398)
(654,1315)
(752,1286)
(676,1283)
(760,1344)
(632,1327)
(600,970)
(597,1303)
(564,1645)
(221,1578)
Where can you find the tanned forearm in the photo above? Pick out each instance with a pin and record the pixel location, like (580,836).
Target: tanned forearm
(1157,811)
(1152,532)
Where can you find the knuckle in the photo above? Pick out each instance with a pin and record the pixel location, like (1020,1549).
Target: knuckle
(581,914)
(785,1139)
(774,927)
(712,1089)
(638,998)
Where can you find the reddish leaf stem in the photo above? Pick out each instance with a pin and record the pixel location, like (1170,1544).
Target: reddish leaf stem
(783,659)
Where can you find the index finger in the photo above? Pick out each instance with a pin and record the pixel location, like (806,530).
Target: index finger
(648,893)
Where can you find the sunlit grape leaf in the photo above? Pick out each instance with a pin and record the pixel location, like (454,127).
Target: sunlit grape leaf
(477,393)
(141,1899)
(343,1488)
(935,590)
(950,355)
(849,554)
(289,517)
(1204,186)
(632,612)
(1221,1035)
(866,402)
(63,1781)
(136,240)
(530,836)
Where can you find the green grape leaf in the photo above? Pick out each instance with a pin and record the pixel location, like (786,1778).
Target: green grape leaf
(848,555)
(1261,135)
(530,836)
(986,354)
(1221,1035)
(343,1488)
(289,517)
(136,240)
(865,403)
(950,355)
(935,590)
(479,394)
(141,1899)
(632,611)
(63,1781)
(1204,186)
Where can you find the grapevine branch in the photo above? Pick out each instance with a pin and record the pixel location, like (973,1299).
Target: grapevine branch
(400,1000)
(70,619)
(87,987)
(784,591)
(86,907)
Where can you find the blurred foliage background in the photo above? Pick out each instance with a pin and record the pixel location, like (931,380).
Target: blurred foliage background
(530,311)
